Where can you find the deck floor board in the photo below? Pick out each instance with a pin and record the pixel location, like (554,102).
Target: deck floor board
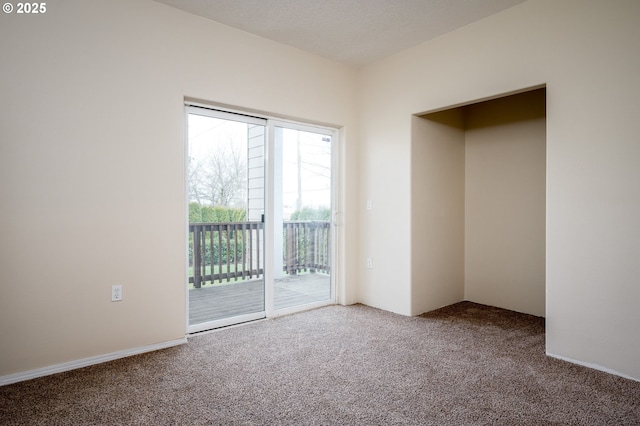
(245,297)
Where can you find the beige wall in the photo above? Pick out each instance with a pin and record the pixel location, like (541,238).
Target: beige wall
(505,184)
(437,210)
(92,163)
(586,54)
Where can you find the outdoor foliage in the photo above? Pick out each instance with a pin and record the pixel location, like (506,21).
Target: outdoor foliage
(307,213)
(211,214)
(218,214)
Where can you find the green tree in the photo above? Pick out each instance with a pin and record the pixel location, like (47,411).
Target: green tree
(213,214)
(195,212)
(308,213)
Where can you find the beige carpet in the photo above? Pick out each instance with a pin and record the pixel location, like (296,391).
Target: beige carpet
(467,364)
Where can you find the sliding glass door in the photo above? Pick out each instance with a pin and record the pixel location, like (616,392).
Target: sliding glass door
(302,215)
(226,204)
(260,209)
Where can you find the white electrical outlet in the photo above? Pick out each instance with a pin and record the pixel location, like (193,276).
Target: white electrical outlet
(369,263)
(116,293)
(369,205)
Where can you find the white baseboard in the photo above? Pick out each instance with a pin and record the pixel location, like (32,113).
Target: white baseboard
(594,366)
(85,362)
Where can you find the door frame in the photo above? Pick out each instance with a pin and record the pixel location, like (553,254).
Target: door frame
(270,206)
(270,123)
(229,116)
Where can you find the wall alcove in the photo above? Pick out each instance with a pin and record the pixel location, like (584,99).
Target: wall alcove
(479,204)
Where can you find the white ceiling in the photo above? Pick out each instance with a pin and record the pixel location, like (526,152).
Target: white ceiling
(355,32)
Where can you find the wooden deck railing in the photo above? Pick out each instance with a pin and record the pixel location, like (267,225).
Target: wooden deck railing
(306,246)
(222,251)
(233,250)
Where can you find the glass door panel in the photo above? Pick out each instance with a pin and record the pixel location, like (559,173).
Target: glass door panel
(302,216)
(226,187)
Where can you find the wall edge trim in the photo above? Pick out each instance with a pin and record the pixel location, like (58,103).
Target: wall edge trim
(593,366)
(86,362)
